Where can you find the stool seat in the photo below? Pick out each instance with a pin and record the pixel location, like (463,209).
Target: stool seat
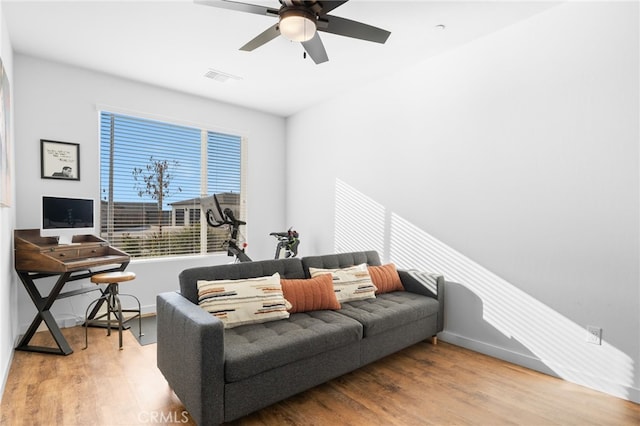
(113,277)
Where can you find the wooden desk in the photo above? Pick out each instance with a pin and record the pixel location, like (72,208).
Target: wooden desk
(39,257)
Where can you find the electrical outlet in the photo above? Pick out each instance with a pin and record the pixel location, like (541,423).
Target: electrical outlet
(594,335)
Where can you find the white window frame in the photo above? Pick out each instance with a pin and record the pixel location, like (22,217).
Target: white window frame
(204,131)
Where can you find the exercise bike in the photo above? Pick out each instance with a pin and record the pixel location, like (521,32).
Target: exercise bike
(216,217)
(288,241)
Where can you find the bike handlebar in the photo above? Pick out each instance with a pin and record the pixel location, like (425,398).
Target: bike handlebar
(232,218)
(279,234)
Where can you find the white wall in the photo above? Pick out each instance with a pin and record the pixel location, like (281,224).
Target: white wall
(511,165)
(59,102)
(8,281)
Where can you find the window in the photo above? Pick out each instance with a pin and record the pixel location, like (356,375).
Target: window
(152,175)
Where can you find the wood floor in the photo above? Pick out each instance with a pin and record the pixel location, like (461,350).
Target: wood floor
(422,385)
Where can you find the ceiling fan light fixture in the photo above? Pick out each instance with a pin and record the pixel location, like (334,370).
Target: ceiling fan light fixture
(297,24)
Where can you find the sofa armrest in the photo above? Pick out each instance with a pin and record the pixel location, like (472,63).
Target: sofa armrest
(190,355)
(428,284)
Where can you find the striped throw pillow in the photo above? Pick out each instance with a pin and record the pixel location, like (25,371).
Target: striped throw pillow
(245,301)
(349,284)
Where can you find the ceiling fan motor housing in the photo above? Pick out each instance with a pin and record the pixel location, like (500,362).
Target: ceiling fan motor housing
(297,23)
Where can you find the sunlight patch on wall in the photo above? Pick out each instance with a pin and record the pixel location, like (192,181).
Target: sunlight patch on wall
(364,224)
(359,221)
(553,338)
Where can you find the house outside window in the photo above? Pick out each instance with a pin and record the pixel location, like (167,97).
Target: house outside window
(152,175)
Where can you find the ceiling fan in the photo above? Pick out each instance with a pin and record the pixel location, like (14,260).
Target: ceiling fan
(300,20)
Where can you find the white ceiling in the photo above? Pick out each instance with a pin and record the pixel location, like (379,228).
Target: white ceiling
(173,44)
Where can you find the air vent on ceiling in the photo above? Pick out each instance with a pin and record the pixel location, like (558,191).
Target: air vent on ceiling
(220,76)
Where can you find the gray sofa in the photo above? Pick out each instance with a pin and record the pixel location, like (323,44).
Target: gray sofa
(223,374)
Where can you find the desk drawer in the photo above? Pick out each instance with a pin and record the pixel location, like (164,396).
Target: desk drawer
(70,253)
(93,251)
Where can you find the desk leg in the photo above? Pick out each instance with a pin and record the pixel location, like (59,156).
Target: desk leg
(43,304)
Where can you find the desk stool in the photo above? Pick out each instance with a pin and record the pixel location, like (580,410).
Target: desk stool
(111,295)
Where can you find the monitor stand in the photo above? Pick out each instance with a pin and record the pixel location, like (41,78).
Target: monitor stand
(65,240)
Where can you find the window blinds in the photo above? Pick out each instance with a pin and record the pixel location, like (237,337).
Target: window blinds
(152,174)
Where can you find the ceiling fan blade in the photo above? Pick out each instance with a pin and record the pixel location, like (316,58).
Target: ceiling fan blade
(315,49)
(328,6)
(262,38)
(241,7)
(354,29)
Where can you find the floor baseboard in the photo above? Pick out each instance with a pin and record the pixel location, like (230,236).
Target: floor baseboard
(525,360)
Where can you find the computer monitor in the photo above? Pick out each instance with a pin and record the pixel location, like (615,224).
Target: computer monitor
(65,217)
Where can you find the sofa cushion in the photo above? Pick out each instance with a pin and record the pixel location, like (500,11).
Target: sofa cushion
(252,349)
(310,294)
(352,283)
(389,310)
(245,301)
(385,278)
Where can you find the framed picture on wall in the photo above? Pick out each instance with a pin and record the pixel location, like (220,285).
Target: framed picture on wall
(5,120)
(59,160)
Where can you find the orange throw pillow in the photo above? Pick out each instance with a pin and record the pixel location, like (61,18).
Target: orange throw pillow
(385,278)
(311,294)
